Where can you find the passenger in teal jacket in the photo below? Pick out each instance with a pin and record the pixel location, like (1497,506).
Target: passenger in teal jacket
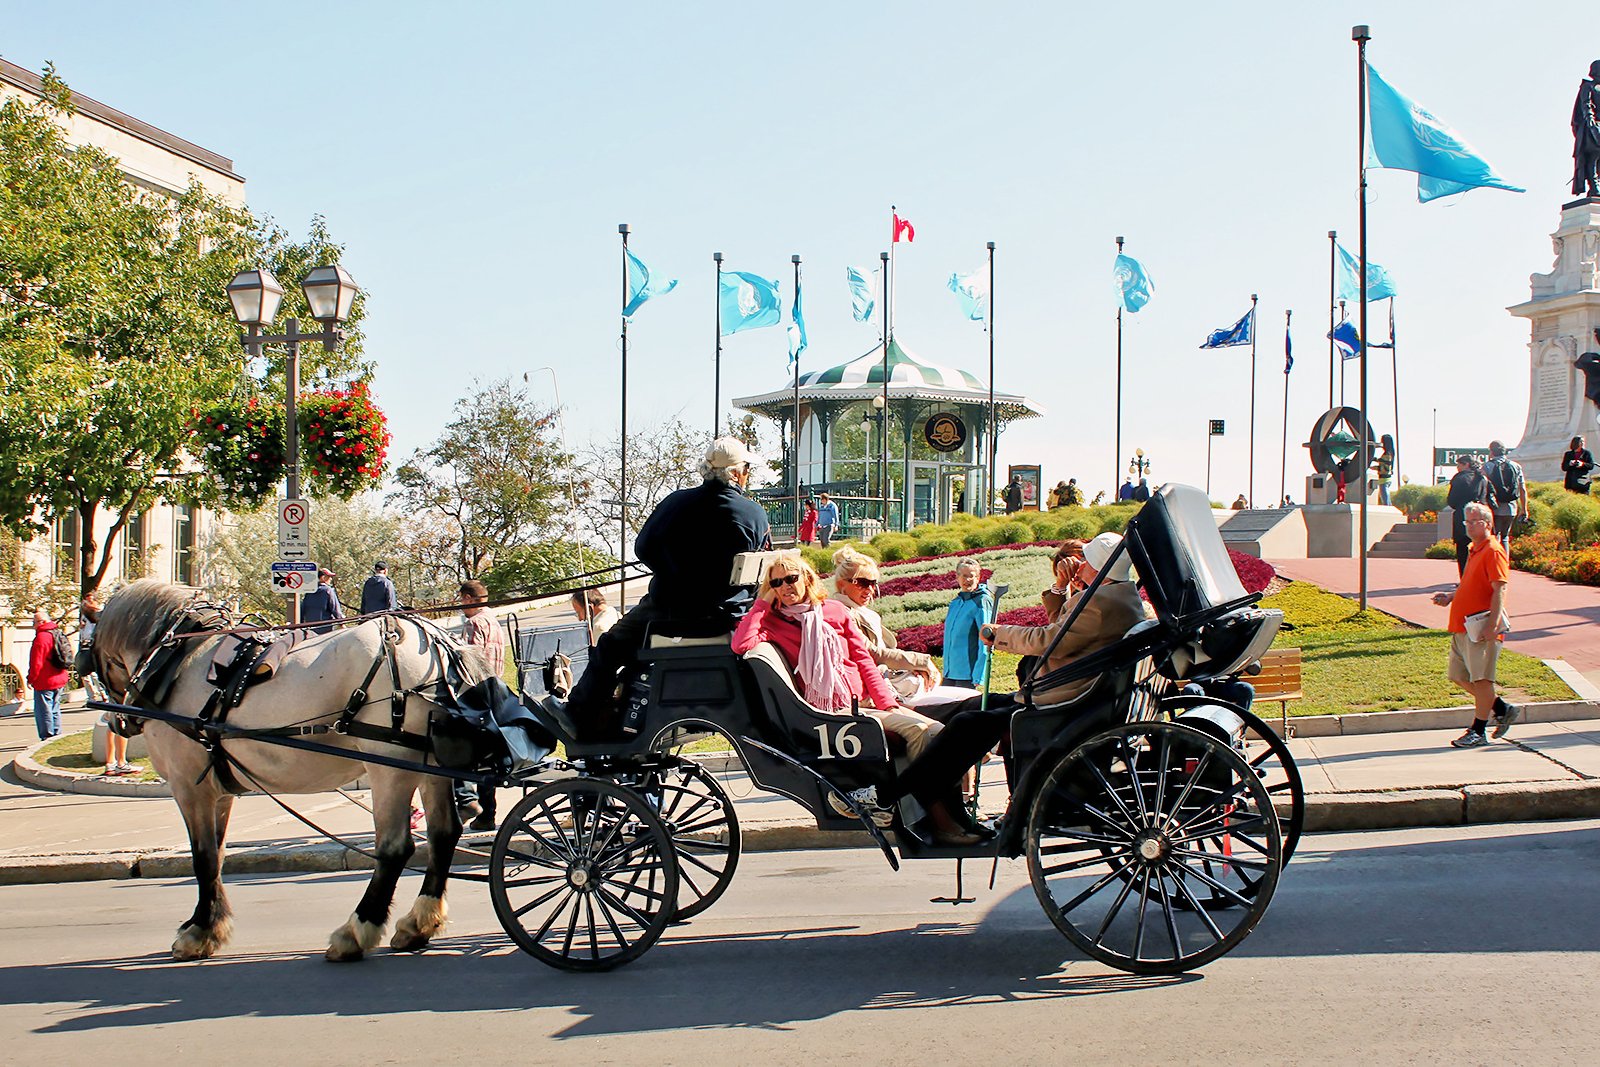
(966,659)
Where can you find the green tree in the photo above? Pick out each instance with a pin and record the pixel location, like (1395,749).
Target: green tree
(497,476)
(115,326)
(661,459)
(544,567)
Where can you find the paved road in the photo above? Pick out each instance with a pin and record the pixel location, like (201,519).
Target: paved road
(1479,944)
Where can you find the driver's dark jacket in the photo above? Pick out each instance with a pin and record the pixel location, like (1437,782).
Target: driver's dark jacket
(689,543)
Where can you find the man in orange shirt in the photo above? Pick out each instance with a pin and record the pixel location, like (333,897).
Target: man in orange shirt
(1482,591)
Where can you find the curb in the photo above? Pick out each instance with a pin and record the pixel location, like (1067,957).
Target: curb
(34,773)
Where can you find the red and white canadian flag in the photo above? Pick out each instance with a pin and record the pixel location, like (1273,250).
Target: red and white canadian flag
(903,226)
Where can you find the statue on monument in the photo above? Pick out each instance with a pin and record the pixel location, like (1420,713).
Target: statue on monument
(1586,135)
(1588,365)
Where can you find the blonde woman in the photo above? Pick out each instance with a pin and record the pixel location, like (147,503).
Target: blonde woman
(855,583)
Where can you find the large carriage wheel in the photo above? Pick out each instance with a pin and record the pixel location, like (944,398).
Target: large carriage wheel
(1135,829)
(699,817)
(583,874)
(1269,755)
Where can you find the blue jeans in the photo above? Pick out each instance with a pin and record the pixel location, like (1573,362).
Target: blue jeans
(47,712)
(1233,690)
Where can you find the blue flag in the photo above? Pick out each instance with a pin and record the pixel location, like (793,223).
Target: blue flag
(1346,339)
(1240,333)
(1402,135)
(973,292)
(861,302)
(1288,351)
(748,302)
(642,285)
(1379,285)
(1134,284)
(797,329)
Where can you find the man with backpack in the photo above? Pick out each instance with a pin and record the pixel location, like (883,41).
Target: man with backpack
(49,657)
(1508,492)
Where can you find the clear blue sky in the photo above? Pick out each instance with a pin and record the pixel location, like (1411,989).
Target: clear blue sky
(476,159)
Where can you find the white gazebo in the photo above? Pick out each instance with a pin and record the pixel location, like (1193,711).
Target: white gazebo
(937,419)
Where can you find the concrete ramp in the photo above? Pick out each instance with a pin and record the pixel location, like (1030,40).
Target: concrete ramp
(1266,532)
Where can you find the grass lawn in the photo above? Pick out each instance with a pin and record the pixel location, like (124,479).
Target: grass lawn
(74,753)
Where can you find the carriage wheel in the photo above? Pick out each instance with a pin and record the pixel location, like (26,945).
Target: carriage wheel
(704,828)
(583,875)
(1133,830)
(1269,755)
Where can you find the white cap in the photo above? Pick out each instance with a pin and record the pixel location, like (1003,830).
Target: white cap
(1096,552)
(728,452)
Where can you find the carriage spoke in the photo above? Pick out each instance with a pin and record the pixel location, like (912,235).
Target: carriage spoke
(627,910)
(1130,756)
(1144,907)
(685,857)
(538,861)
(1086,835)
(520,912)
(1112,793)
(1213,883)
(1079,864)
(550,920)
(1172,920)
(1188,787)
(572,924)
(704,824)
(611,921)
(1194,904)
(1116,906)
(631,888)
(1072,904)
(702,846)
(526,883)
(1070,846)
(594,938)
(1219,824)
(1220,858)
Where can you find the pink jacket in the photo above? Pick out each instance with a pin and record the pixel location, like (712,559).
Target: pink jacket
(762,623)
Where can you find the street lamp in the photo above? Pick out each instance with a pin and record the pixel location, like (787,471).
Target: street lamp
(1138,466)
(256,296)
(883,453)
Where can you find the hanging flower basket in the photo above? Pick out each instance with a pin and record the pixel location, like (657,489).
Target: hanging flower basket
(344,441)
(240,444)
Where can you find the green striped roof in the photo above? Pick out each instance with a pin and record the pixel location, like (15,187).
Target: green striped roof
(904,368)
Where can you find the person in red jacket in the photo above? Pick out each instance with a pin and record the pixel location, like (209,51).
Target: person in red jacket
(45,677)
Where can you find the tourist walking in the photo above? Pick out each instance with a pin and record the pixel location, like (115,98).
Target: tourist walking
(1577,463)
(480,631)
(322,603)
(1477,627)
(828,519)
(377,592)
(808,524)
(1014,495)
(47,674)
(1508,492)
(1467,487)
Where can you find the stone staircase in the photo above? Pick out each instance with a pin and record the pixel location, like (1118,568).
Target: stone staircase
(1407,541)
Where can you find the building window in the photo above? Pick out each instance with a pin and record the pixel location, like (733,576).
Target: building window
(183,544)
(64,541)
(133,547)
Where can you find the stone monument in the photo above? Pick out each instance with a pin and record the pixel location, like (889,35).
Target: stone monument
(1564,313)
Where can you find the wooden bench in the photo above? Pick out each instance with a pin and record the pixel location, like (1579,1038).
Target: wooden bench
(1279,679)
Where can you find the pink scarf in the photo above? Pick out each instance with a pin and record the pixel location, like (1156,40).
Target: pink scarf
(821,667)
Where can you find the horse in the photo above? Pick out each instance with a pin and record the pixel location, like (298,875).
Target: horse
(311,686)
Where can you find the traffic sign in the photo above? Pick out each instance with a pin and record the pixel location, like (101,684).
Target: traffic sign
(294,577)
(294,529)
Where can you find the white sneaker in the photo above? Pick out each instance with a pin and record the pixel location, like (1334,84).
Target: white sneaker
(865,798)
(1470,739)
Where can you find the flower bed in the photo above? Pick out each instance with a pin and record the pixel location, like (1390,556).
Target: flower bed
(922,583)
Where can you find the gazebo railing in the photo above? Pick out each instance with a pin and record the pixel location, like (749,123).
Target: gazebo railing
(860,517)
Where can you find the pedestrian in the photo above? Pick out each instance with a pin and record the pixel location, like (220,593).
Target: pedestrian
(1240,503)
(1467,487)
(322,603)
(966,659)
(1477,626)
(1508,492)
(1126,492)
(1058,496)
(480,631)
(47,674)
(808,524)
(1385,467)
(1014,495)
(116,745)
(1141,492)
(377,592)
(827,519)
(1576,465)
(598,616)
(1073,497)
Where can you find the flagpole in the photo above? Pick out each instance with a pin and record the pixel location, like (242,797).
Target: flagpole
(883,416)
(1333,252)
(716,387)
(795,259)
(994,421)
(1361,35)
(1116,456)
(622,468)
(1251,483)
(1394,368)
(1343,315)
(1283,472)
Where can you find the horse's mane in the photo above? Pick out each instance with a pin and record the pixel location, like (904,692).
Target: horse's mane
(136,618)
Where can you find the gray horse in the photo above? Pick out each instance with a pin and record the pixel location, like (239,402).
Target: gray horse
(311,685)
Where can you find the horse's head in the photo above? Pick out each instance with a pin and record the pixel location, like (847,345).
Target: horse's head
(131,624)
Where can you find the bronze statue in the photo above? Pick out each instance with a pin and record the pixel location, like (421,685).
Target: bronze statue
(1586,135)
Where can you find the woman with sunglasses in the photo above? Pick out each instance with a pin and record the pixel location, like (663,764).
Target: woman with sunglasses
(855,583)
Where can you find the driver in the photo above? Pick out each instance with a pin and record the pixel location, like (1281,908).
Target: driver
(691,534)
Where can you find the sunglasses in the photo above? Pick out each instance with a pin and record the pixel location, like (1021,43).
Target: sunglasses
(865,583)
(780,582)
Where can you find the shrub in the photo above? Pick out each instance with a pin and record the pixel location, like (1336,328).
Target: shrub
(975,535)
(940,546)
(1078,527)
(1113,519)
(1441,550)
(1014,533)
(1415,499)
(1579,516)
(1541,543)
(895,546)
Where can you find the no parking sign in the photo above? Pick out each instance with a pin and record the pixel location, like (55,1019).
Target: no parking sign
(294,577)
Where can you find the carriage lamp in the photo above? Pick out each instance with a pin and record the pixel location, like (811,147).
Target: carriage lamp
(329,291)
(255,295)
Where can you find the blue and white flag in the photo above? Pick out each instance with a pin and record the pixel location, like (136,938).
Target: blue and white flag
(861,302)
(1346,339)
(1379,285)
(1402,135)
(1288,351)
(642,285)
(973,292)
(1134,284)
(1240,333)
(748,302)
(797,329)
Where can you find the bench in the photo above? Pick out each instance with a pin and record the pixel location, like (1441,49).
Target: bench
(1279,679)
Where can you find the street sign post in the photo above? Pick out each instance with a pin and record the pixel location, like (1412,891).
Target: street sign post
(296,578)
(294,529)
(1215,429)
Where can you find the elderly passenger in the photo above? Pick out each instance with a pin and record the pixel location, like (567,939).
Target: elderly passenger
(855,583)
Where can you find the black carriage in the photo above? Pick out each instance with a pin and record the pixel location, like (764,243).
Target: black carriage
(1155,822)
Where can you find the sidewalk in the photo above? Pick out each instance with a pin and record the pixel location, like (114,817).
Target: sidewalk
(1355,776)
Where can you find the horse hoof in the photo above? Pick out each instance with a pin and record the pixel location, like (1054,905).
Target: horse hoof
(404,941)
(353,940)
(419,925)
(198,943)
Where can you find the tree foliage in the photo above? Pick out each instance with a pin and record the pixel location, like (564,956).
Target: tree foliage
(661,459)
(497,476)
(545,567)
(115,326)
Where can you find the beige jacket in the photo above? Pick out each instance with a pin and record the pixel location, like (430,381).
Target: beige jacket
(1114,609)
(880,642)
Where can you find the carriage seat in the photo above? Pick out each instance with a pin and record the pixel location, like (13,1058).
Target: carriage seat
(806,732)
